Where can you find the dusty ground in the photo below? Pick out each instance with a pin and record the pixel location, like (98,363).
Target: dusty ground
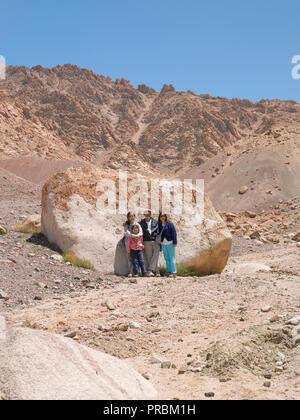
(212,330)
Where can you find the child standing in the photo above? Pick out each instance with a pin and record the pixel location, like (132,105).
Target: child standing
(135,252)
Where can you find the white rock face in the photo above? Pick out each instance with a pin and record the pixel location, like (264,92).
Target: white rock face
(73,220)
(38,365)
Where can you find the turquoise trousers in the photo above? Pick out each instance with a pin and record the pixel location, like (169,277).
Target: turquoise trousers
(170,257)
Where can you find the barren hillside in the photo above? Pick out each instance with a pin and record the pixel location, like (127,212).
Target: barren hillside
(73,113)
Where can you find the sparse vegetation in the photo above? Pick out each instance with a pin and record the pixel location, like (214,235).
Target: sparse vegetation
(19,227)
(182,271)
(3,231)
(78,262)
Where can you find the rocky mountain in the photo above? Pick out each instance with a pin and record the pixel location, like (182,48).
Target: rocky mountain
(67,112)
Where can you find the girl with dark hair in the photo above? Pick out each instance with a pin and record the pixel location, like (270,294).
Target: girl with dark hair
(130,221)
(168,242)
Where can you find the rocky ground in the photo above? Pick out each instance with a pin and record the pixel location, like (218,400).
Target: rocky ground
(226,336)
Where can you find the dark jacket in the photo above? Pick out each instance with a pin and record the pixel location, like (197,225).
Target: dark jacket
(168,232)
(154,230)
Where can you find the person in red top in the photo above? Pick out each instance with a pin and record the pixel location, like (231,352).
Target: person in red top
(135,248)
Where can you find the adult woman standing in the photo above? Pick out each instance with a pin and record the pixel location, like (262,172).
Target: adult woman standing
(122,264)
(168,243)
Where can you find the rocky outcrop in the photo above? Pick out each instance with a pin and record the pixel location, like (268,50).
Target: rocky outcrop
(72,218)
(72,113)
(38,365)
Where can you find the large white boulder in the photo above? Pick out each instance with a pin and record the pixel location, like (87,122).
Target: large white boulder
(72,219)
(37,365)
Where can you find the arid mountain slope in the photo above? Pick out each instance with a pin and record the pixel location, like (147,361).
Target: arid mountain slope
(73,113)
(268,164)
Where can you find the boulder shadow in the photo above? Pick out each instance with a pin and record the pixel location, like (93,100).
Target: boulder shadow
(41,240)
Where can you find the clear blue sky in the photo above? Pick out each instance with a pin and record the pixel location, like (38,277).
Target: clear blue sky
(232,48)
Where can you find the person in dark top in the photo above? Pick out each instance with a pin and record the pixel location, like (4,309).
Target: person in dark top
(168,242)
(150,229)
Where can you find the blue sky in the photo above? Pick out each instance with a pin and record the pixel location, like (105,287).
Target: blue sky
(231,48)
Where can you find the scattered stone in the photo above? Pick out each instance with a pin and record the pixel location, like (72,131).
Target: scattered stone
(209,394)
(155,330)
(296,340)
(71,334)
(41,285)
(250,214)
(255,235)
(296,237)
(281,356)
(294,321)
(57,257)
(165,365)
(147,376)
(3,295)
(267,384)
(243,189)
(134,325)
(266,308)
(181,371)
(32,223)
(110,305)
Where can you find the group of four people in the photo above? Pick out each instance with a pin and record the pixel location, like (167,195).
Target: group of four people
(143,242)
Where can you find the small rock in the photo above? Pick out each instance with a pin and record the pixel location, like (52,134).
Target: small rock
(181,371)
(294,321)
(267,384)
(243,189)
(296,237)
(71,334)
(255,235)
(266,308)
(41,285)
(147,376)
(165,365)
(134,325)
(209,394)
(3,295)
(110,305)
(296,340)
(155,330)
(281,356)
(57,257)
